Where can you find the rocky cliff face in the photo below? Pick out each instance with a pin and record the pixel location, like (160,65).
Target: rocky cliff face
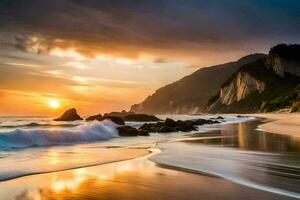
(264,85)
(283,59)
(241,86)
(191,93)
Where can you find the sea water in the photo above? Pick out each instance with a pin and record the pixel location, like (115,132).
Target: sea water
(233,149)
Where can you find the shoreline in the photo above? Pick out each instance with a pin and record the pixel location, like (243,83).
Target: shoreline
(137,153)
(137,178)
(279,123)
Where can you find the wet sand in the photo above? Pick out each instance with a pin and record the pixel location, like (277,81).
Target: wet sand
(281,123)
(133,179)
(57,159)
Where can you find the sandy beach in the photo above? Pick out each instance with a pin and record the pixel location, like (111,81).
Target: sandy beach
(280,123)
(133,179)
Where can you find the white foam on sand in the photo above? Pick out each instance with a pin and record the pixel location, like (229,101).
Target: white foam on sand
(231,164)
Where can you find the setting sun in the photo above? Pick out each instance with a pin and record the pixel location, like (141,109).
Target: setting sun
(54,104)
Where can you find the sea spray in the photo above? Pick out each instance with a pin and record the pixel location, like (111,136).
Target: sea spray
(93,131)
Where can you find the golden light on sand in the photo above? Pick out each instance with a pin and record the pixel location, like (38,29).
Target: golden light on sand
(54,104)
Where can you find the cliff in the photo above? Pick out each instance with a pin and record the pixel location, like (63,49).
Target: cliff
(241,86)
(284,59)
(191,93)
(257,87)
(255,83)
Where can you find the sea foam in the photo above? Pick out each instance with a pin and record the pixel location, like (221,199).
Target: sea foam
(93,131)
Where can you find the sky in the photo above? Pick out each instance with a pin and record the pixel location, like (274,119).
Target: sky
(105,55)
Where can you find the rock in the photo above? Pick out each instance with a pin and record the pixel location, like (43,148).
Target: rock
(115,119)
(143,133)
(199,122)
(69,115)
(94,117)
(283,59)
(170,122)
(166,129)
(243,84)
(128,131)
(185,126)
(151,127)
(119,114)
(170,125)
(141,118)
(217,118)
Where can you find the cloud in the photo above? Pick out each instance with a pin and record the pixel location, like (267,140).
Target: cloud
(123,50)
(130,28)
(16,77)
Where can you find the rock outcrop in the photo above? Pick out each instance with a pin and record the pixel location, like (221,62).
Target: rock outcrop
(191,93)
(94,117)
(284,59)
(123,113)
(170,125)
(241,86)
(141,118)
(128,131)
(99,117)
(258,87)
(115,119)
(69,115)
(120,117)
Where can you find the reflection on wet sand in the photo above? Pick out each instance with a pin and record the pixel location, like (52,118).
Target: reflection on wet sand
(244,136)
(133,179)
(60,158)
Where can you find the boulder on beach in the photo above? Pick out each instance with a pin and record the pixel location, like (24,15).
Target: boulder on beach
(69,115)
(141,118)
(94,117)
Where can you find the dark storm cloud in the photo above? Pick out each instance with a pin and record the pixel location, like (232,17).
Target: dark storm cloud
(139,25)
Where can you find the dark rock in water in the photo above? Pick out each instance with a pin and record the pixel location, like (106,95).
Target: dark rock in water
(33,124)
(239,116)
(143,133)
(119,114)
(141,118)
(94,117)
(199,122)
(128,131)
(69,115)
(166,129)
(115,119)
(170,125)
(150,127)
(170,122)
(219,117)
(185,126)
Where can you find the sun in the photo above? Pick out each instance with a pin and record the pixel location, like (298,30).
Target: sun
(54,104)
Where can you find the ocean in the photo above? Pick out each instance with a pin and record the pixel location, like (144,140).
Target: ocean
(234,149)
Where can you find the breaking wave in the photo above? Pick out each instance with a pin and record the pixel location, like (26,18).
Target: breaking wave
(94,131)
